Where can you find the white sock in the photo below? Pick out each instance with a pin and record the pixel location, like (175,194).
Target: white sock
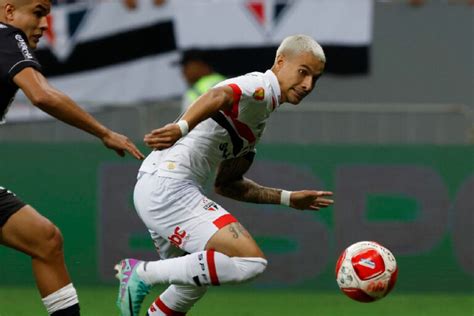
(202,268)
(176,300)
(61,299)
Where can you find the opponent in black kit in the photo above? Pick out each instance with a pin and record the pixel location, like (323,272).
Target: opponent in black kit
(22,23)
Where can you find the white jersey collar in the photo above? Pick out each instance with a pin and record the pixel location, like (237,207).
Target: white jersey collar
(274,84)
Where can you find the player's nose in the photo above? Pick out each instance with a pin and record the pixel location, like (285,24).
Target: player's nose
(43,25)
(307,83)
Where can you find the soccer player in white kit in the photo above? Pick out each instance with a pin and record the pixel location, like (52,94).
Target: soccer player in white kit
(200,243)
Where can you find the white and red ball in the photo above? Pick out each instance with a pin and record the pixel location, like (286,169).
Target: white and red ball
(366,271)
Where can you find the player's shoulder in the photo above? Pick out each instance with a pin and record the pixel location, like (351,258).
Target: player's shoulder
(10,34)
(248,83)
(7,30)
(5,27)
(255,77)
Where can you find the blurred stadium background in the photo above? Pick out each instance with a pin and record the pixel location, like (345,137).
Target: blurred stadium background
(389,129)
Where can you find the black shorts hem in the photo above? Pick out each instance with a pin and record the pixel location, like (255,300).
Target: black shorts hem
(9,205)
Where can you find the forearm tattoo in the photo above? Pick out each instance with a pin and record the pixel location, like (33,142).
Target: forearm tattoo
(249,191)
(231,183)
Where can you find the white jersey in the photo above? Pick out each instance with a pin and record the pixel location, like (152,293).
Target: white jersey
(228,134)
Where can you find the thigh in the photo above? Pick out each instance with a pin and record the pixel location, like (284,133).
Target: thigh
(26,230)
(178,213)
(234,240)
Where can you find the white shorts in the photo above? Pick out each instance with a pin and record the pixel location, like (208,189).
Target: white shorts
(180,218)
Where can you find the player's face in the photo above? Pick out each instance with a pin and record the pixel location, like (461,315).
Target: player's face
(297,75)
(30,17)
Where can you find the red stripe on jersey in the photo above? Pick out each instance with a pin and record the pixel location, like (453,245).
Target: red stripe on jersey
(224,220)
(211,264)
(165,309)
(242,128)
(234,112)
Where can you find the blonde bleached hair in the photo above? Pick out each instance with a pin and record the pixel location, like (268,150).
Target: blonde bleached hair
(300,43)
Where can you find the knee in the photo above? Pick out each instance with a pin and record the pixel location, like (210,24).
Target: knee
(250,267)
(259,266)
(50,242)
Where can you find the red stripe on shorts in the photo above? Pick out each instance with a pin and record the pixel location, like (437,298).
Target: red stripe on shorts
(165,309)
(224,220)
(211,264)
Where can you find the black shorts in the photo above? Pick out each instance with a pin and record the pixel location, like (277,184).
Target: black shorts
(9,204)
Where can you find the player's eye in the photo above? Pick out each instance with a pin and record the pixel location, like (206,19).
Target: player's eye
(40,13)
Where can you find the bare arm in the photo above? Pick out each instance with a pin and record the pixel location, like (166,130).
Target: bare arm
(205,106)
(231,183)
(57,104)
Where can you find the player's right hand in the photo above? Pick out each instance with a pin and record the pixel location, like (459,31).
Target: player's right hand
(120,144)
(163,137)
(310,199)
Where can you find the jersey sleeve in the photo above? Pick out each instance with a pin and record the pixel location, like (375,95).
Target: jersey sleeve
(246,84)
(15,54)
(250,87)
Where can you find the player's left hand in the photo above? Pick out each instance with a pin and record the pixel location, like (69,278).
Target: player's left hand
(310,200)
(164,137)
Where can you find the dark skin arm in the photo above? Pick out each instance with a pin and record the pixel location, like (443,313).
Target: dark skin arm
(57,104)
(230,182)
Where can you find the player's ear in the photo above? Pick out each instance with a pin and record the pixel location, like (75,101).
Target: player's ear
(279,62)
(8,11)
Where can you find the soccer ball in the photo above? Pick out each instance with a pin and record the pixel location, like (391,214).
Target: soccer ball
(366,271)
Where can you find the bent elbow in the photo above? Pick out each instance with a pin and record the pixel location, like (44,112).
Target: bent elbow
(42,99)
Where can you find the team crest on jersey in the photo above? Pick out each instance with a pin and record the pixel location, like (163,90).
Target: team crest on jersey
(209,205)
(268,13)
(259,94)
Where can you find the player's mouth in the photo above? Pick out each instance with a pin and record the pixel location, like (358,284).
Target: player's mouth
(300,94)
(37,37)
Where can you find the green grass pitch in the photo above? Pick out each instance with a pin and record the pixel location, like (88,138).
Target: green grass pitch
(100,301)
